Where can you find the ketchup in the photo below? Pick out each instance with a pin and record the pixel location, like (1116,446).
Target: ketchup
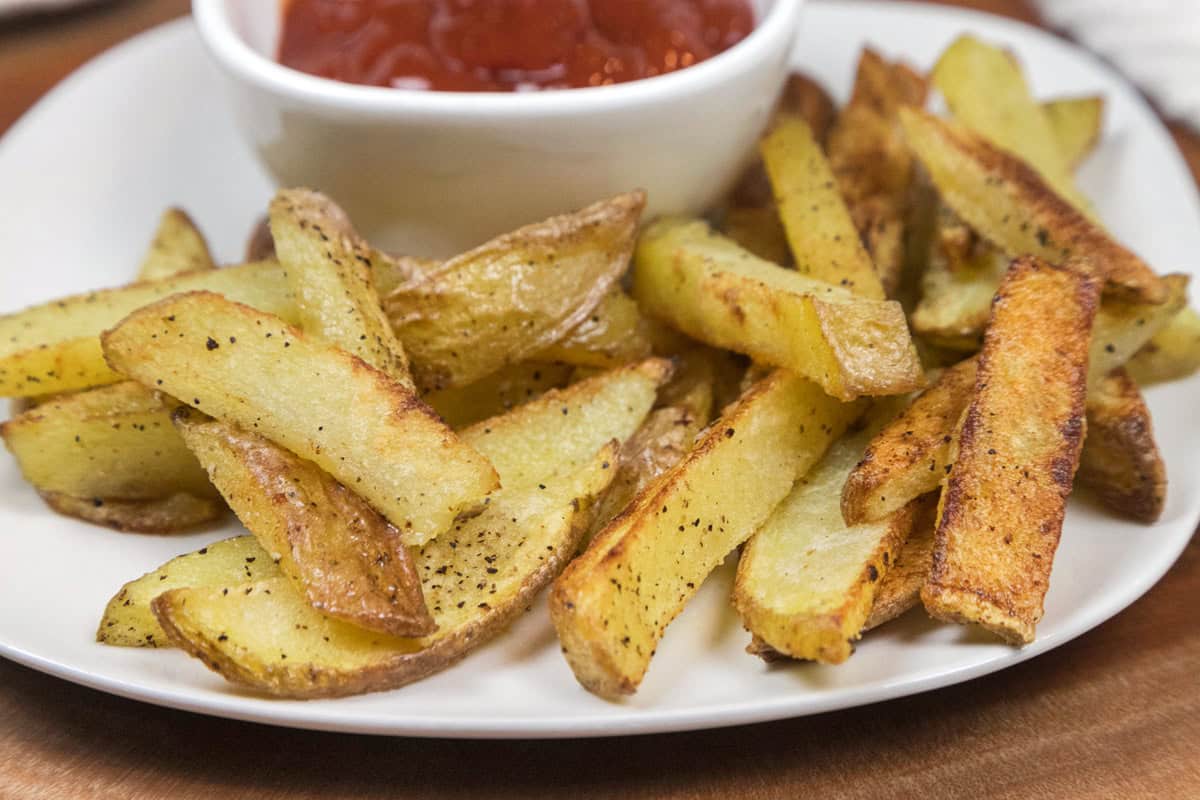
(505,45)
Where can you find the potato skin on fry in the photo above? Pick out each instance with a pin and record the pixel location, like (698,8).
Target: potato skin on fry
(910,455)
(900,588)
(325,405)
(1120,460)
(611,606)
(1018,448)
(1006,201)
(171,514)
(344,558)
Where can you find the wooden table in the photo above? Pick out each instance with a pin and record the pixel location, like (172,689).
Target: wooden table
(1114,714)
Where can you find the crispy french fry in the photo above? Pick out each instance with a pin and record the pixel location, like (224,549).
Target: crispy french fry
(1018,448)
(498,393)
(900,588)
(910,455)
(1077,123)
(55,347)
(1120,460)
(344,558)
(329,270)
(986,91)
(613,603)
(613,334)
(128,621)
(956,296)
(255,371)
(825,244)
(1007,202)
(1172,353)
(178,247)
(806,580)
(171,514)
(508,299)
(708,287)
(1123,328)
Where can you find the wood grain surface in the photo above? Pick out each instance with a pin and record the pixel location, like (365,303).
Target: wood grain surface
(1114,714)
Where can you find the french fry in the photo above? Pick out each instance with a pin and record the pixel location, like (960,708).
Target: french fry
(498,393)
(1124,328)
(366,430)
(128,620)
(1120,460)
(1007,202)
(911,454)
(613,334)
(956,296)
(178,247)
(1077,124)
(329,270)
(344,558)
(900,588)
(806,580)
(711,289)
(825,244)
(171,514)
(611,606)
(760,231)
(986,91)
(1018,447)
(55,347)
(504,301)
(1172,353)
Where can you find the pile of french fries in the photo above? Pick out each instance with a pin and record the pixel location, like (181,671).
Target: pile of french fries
(878,374)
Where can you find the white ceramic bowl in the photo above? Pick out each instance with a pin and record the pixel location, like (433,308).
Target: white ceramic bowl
(431,173)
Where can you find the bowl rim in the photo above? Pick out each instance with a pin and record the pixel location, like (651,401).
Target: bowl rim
(776,30)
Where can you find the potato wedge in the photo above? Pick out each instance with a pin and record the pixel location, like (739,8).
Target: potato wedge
(613,334)
(55,347)
(476,580)
(346,560)
(1120,460)
(956,296)
(1007,202)
(1123,328)
(252,369)
(986,91)
(329,269)
(900,588)
(514,296)
(612,604)
(171,514)
(711,289)
(1077,124)
(911,454)
(1017,451)
(825,244)
(806,580)
(872,164)
(113,443)
(560,432)
(760,231)
(498,393)
(128,620)
(1172,353)
(178,247)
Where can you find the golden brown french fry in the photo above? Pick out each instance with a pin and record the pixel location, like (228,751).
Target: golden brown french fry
(825,244)
(171,514)
(911,455)
(1172,353)
(55,347)
(178,247)
(806,580)
(1007,202)
(900,588)
(956,295)
(504,301)
(128,621)
(498,393)
(1123,328)
(986,91)
(1018,448)
(1120,460)
(615,333)
(711,289)
(345,559)
(1077,124)
(613,603)
(329,270)
(325,405)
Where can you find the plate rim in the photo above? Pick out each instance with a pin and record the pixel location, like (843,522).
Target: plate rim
(233,705)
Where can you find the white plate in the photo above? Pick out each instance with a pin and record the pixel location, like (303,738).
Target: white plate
(83,178)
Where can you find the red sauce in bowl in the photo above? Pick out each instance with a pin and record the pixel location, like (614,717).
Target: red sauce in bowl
(505,45)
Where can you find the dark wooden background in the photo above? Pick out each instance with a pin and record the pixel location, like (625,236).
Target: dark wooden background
(1114,714)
